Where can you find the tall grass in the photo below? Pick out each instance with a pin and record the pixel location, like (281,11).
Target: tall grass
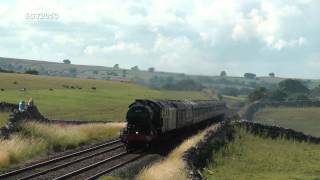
(255,157)
(19,148)
(61,137)
(35,139)
(173,167)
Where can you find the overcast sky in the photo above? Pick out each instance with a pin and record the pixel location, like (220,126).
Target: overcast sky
(190,36)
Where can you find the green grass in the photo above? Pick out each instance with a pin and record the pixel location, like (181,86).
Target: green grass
(253,157)
(108,102)
(306,120)
(4,116)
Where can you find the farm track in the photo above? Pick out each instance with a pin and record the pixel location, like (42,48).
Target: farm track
(109,156)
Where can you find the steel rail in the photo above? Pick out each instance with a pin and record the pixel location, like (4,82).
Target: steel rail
(86,168)
(114,167)
(18,171)
(69,163)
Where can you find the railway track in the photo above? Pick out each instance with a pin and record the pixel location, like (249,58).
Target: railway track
(89,163)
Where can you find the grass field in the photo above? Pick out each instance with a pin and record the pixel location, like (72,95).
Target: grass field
(233,101)
(253,157)
(3,118)
(306,120)
(108,102)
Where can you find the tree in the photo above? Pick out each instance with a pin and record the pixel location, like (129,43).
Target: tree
(33,72)
(73,72)
(223,73)
(257,94)
(124,73)
(315,92)
(250,75)
(116,66)
(298,97)
(66,61)
(291,86)
(151,69)
(271,75)
(278,95)
(135,68)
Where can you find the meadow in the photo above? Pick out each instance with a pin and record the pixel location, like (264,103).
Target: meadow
(234,101)
(304,119)
(84,99)
(255,157)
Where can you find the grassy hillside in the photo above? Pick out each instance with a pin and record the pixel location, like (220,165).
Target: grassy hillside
(253,157)
(141,76)
(306,120)
(3,118)
(109,101)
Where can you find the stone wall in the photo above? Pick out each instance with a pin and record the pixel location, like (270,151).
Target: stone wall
(212,142)
(215,140)
(31,113)
(255,107)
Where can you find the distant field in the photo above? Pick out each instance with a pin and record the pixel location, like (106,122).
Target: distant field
(3,118)
(233,100)
(108,102)
(253,157)
(306,120)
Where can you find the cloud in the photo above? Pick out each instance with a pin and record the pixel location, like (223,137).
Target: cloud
(120,47)
(188,36)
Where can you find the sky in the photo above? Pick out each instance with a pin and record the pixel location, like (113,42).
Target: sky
(189,36)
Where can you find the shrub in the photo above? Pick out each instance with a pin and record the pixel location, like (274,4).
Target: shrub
(33,72)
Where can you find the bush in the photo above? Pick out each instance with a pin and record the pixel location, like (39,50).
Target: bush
(33,72)
(258,94)
(291,86)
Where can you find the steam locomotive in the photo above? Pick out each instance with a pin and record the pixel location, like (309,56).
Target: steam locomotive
(149,120)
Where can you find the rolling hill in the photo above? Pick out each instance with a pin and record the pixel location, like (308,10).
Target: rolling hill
(80,99)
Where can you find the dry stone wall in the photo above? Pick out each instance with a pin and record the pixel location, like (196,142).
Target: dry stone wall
(255,107)
(31,113)
(196,157)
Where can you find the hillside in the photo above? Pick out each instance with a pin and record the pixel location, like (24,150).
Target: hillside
(144,77)
(300,119)
(80,99)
